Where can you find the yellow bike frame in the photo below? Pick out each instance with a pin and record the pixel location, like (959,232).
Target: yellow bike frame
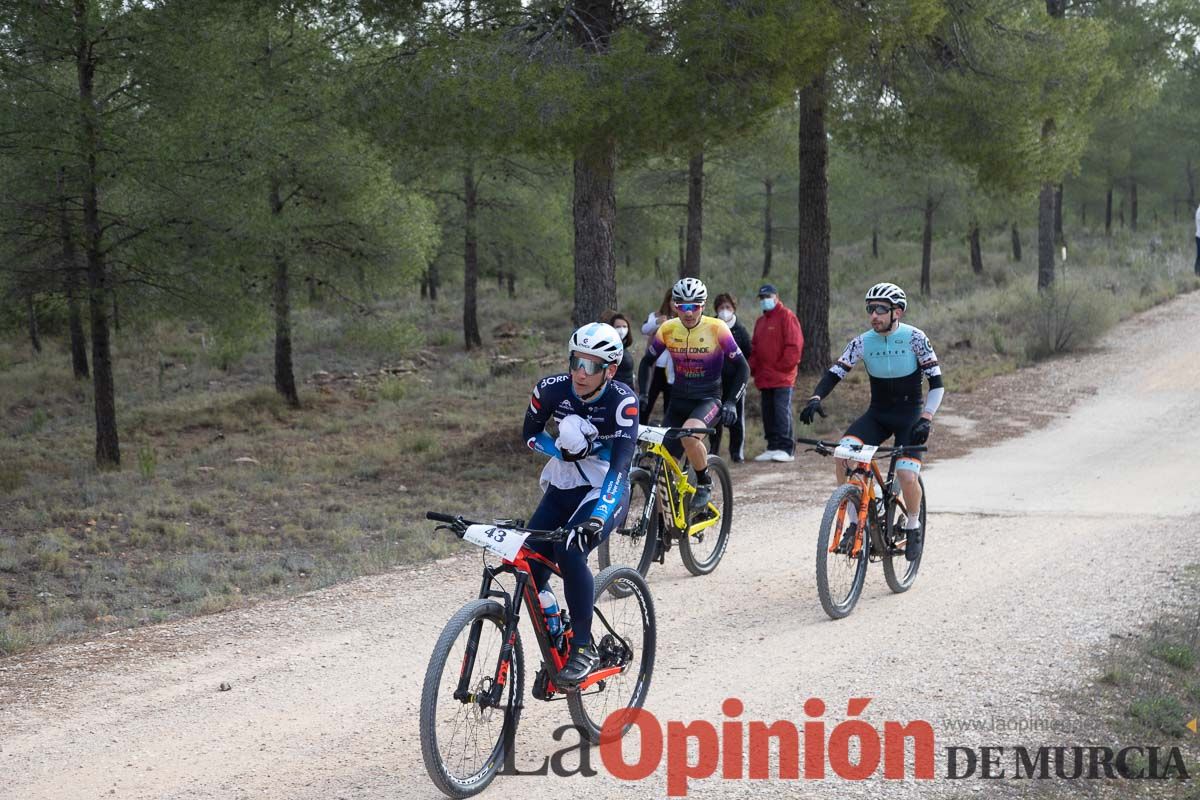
(678,490)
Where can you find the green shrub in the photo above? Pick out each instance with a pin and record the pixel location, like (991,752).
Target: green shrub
(1066,318)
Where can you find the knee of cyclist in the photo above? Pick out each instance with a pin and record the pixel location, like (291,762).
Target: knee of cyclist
(907,471)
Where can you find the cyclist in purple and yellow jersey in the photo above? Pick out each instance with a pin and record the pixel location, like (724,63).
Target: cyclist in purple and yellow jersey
(700,347)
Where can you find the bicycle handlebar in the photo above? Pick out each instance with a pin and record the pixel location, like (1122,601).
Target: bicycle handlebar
(827,448)
(535,535)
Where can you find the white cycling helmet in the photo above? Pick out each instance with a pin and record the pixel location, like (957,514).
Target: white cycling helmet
(689,290)
(597,339)
(890,292)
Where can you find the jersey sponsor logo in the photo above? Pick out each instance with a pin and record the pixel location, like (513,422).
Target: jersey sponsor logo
(608,498)
(530,442)
(553,379)
(627,412)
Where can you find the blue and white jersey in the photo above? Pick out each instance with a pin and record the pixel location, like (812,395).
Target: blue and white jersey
(895,362)
(606,468)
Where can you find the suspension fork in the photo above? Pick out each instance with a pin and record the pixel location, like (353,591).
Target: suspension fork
(494,695)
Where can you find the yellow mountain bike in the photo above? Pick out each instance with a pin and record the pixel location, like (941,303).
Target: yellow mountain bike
(659,514)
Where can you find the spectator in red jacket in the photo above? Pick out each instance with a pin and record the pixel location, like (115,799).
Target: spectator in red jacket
(774,358)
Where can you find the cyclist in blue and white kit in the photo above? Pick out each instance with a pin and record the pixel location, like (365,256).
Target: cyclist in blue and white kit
(586,481)
(896,357)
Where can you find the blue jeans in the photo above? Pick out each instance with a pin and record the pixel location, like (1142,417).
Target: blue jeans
(777,419)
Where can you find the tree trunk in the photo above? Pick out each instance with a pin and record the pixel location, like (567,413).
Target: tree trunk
(1016,243)
(1059,238)
(875,242)
(768,234)
(471,337)
(1083,215)
(1191,182)
(1133,206)
(512,285)
(435,281)
(976,249)
(79,359)
(812,286)
(595,214)
(281,296)
(34,340)
(927,247)
(695,215)
(424,285)
(1108,211)
(108,448)
(1046,237)
(682,250)
(1121,213)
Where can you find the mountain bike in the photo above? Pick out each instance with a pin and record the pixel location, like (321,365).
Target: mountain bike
(659,514)
(862,523)
(472,697)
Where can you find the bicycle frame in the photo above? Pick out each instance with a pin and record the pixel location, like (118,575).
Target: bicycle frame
(676,488)
(525,588)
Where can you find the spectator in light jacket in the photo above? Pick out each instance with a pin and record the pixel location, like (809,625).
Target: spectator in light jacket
(664,369)
(776,347)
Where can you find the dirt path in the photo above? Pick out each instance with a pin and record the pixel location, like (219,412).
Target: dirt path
(1040,548)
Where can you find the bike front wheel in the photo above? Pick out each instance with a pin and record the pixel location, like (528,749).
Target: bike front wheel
(702,551)
(463,740)
(840,573)
(633,543)
(897,569)
(624,632)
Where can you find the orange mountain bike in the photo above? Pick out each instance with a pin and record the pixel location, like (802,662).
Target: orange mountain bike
(862,523)
(473,692)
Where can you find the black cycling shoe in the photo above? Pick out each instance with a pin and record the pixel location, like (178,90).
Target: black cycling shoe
(581,663)
(702,497)
(914,542)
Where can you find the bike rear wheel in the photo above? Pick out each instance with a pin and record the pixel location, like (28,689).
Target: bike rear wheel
(840,575)
(702,551)
(633,543)
(897,569)
(624,632)
(462,741)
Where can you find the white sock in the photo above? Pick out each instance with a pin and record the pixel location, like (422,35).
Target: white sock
(911,523)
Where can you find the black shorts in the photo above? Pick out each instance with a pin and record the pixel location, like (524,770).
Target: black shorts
(879,424)
(681,409)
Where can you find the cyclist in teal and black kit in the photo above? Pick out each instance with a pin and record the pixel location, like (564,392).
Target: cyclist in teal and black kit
(896,357)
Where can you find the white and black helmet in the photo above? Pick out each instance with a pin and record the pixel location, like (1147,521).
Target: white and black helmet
(689,290)
(597,339)
(890,292)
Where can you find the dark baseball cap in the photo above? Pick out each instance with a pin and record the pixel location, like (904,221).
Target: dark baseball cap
(766,289)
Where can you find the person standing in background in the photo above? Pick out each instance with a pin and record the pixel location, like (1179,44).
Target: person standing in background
(777,346)
(621,325)
(726,305)
(1198,240)
(663,375)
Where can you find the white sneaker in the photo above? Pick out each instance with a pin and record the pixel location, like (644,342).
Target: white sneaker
(768,455)
(782,455)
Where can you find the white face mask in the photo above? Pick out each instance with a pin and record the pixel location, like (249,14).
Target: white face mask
(725,314)
(622,332)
